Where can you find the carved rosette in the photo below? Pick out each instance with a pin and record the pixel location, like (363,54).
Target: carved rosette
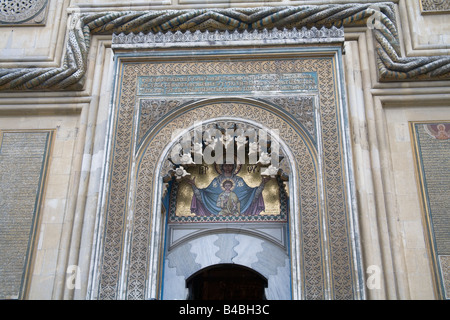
(435,6)
(30,12)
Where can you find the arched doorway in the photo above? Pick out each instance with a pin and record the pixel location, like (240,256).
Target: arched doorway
(251,232)
(226,282)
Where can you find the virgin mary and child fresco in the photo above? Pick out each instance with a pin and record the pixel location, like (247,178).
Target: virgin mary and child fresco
(227,195)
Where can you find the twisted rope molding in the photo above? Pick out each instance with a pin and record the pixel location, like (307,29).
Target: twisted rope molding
(70,76)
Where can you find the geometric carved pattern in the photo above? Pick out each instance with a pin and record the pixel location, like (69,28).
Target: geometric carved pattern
(301,108)
(151,110)
(70,76)
(260,111)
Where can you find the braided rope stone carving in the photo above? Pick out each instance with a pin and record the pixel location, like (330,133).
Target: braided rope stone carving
(391,66)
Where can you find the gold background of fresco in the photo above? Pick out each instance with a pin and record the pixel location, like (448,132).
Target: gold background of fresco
(271,192)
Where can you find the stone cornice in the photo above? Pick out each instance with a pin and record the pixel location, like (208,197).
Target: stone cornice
(225,38)
(380,17)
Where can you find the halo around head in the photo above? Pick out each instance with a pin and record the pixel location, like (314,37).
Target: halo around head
(227,181)
(218,167)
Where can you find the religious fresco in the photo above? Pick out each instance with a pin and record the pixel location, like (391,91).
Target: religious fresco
(227,172)
(228,193)
(439,131)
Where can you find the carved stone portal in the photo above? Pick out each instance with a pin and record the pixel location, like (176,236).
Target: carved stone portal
(177,200)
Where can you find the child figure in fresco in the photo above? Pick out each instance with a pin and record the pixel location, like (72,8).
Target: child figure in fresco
(228,200)
(249,200)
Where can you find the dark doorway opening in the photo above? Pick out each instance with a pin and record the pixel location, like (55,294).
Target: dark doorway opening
(226,282)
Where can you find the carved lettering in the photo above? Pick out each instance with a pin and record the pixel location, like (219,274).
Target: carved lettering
(229,83)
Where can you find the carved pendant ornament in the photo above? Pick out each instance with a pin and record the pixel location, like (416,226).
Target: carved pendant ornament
(380,17)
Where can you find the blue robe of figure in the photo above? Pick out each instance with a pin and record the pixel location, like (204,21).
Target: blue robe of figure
(204,201)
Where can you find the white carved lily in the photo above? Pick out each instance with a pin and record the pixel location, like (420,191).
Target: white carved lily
(175,153)
(180,172)
(210,142)
(186,159)
(241,141)
(264,158)
(197,148)
(253,148)
(270,171)
(226,140)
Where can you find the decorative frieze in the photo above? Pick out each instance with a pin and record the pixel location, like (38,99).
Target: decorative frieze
(207,38)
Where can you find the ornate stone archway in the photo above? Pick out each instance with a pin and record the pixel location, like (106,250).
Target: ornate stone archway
(296,90)
(302,159)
